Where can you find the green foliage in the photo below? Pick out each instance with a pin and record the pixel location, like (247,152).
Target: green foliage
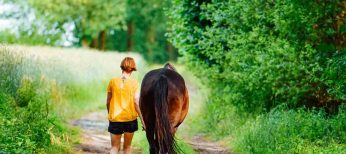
(145,33)
(25,93)
(31,37)
(89,16)
(150,25)
(290,131)
(26,124)
(131,25)
(259,54)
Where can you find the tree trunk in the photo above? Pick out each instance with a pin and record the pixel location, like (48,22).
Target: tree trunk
(85,43)
(170,50)
(94,43)
(340,38)
(102,37)
(151,40)
(130,26)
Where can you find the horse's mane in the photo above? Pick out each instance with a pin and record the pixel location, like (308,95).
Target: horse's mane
(169,66)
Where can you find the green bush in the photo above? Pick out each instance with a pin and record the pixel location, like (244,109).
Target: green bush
(256,55)
(25,93)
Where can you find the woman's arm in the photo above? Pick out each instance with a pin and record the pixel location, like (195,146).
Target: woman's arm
(109,97)
(138,110)
(109,94)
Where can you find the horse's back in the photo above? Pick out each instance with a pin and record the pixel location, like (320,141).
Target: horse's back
(175,81)
(177,93)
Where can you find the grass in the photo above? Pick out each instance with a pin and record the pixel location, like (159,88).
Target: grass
(293,131)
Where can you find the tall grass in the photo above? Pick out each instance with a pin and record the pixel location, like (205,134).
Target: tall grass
(26,123)
(293,131)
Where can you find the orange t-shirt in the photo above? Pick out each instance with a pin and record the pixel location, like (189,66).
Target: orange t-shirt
(122,104)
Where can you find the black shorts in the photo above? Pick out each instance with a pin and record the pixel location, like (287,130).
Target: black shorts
(121,127)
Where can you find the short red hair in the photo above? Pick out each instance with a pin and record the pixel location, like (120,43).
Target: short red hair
(128,64)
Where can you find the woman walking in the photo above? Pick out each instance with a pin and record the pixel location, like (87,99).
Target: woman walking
(122,106)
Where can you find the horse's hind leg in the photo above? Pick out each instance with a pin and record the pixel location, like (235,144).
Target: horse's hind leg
(151,140)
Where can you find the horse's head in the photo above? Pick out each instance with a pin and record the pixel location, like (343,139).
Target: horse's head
(169,66)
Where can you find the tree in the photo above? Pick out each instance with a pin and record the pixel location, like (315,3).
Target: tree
(92,19)
(145,33)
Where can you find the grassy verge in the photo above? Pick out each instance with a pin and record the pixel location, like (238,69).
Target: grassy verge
(293,131)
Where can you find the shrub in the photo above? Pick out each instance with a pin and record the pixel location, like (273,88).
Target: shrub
(256,55)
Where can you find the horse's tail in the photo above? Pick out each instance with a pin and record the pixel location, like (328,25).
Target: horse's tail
(163,133)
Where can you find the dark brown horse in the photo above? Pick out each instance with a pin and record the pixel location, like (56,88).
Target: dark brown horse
(164,103)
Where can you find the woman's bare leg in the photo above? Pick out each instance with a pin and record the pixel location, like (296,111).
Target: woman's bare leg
(127,142)
(115,139)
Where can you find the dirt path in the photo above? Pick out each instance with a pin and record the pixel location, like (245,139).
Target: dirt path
(96,139)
